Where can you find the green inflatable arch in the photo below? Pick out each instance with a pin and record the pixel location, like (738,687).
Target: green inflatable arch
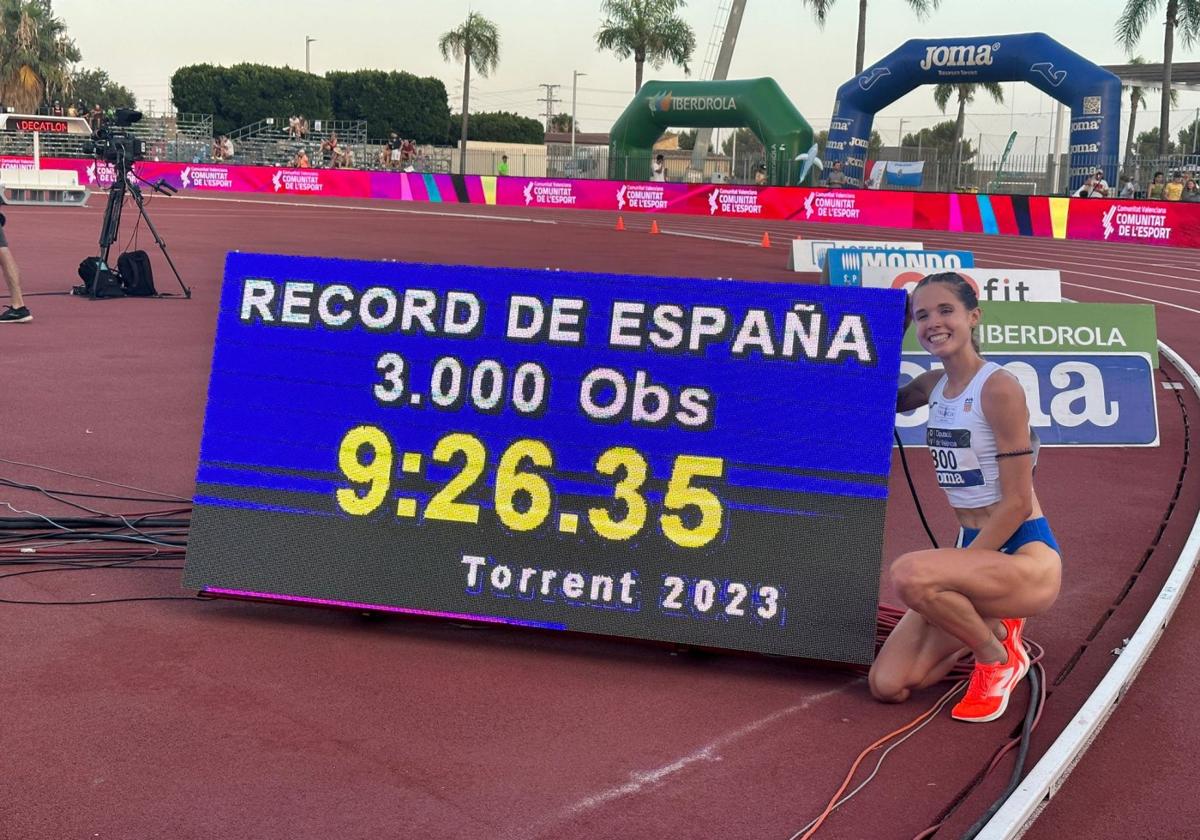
(757,104)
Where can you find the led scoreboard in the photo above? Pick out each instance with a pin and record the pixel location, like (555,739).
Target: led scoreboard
(693,461)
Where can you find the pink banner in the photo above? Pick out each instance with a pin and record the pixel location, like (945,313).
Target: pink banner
(1137,222)
(1141,222)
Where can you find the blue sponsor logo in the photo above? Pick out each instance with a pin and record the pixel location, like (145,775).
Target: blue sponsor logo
(1074,399)
(845,265)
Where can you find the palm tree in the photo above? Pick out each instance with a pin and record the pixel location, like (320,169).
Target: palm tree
(966,95)
(649,30)
(561,123)
(35,54)
(821,12)
(1184,16)
(1137,99)
(475,41)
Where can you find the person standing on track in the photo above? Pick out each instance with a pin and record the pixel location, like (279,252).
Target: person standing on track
(1006,565)
(17,312)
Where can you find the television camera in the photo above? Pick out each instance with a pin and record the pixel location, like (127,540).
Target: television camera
(115,143)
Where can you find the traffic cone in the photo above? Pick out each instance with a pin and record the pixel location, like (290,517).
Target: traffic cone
(620,223)
(766,240)
(654,227)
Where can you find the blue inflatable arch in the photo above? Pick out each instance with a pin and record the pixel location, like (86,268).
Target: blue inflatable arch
(1092,93)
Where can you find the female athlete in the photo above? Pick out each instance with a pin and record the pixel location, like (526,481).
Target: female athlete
(1006,565)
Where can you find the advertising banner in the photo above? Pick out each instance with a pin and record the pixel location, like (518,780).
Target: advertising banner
(635,456)
(1136,222)
(844,267)
(991,284)
(809,254)
(1087,369)
(1172,224)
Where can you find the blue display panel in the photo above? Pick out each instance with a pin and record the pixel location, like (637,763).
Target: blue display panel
(681,460)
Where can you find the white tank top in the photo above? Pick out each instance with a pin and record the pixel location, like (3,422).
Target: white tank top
(962,444)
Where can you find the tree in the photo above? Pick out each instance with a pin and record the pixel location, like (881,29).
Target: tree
(476,41)
(246,93)
(748,144)
(561,123)
(94,87)
(966,95)
(942,138)
(500,127)
(1148,143)
(687,139)
(821,13)
(35,55)
(1182,15)
(1188,138)
(1137,99)
(649,30)
(409,105)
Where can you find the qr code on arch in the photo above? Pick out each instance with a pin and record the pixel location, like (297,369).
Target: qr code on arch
(1091,105)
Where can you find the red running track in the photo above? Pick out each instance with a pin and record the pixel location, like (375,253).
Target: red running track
(189,719)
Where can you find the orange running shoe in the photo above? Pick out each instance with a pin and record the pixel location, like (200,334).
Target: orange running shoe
(988,692)
(1014,643)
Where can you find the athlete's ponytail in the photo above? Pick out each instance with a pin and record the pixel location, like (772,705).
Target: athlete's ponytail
(962,289)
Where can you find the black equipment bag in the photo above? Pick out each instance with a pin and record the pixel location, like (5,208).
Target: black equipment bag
(108,284)
(136,274)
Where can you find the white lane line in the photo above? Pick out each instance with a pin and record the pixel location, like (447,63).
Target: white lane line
(1135,297)
(370,209)
(640,780)
(707,236)
(1050,773)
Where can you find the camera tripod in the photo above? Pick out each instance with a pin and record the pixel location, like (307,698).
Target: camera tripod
(125,184)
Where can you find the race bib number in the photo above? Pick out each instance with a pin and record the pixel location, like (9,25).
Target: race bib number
(954,461)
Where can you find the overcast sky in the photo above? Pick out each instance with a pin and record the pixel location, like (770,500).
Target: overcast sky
(141,44)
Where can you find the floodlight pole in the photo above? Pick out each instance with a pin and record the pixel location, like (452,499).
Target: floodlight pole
(307,40)
(575,74)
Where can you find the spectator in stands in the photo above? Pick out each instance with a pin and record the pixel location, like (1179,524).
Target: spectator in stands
(502,167)
(215,152)
(95,117)
(344,157)
(395,150)
(760,175)
(408,152)
(226,148)
(57,109)
(72,111)
(1156,186)
(301,127)
(658,171)
(836,178)
(1190,192)
(328,147)
(1094,187)
(384,156)
(301,159)
(1173,191)
(1129,188)
(293,129)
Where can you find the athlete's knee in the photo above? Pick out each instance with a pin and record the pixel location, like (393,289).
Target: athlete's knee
(913,576)
(887,688)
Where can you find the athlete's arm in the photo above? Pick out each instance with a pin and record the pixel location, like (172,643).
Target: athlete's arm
(916,393)
(1007,413)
